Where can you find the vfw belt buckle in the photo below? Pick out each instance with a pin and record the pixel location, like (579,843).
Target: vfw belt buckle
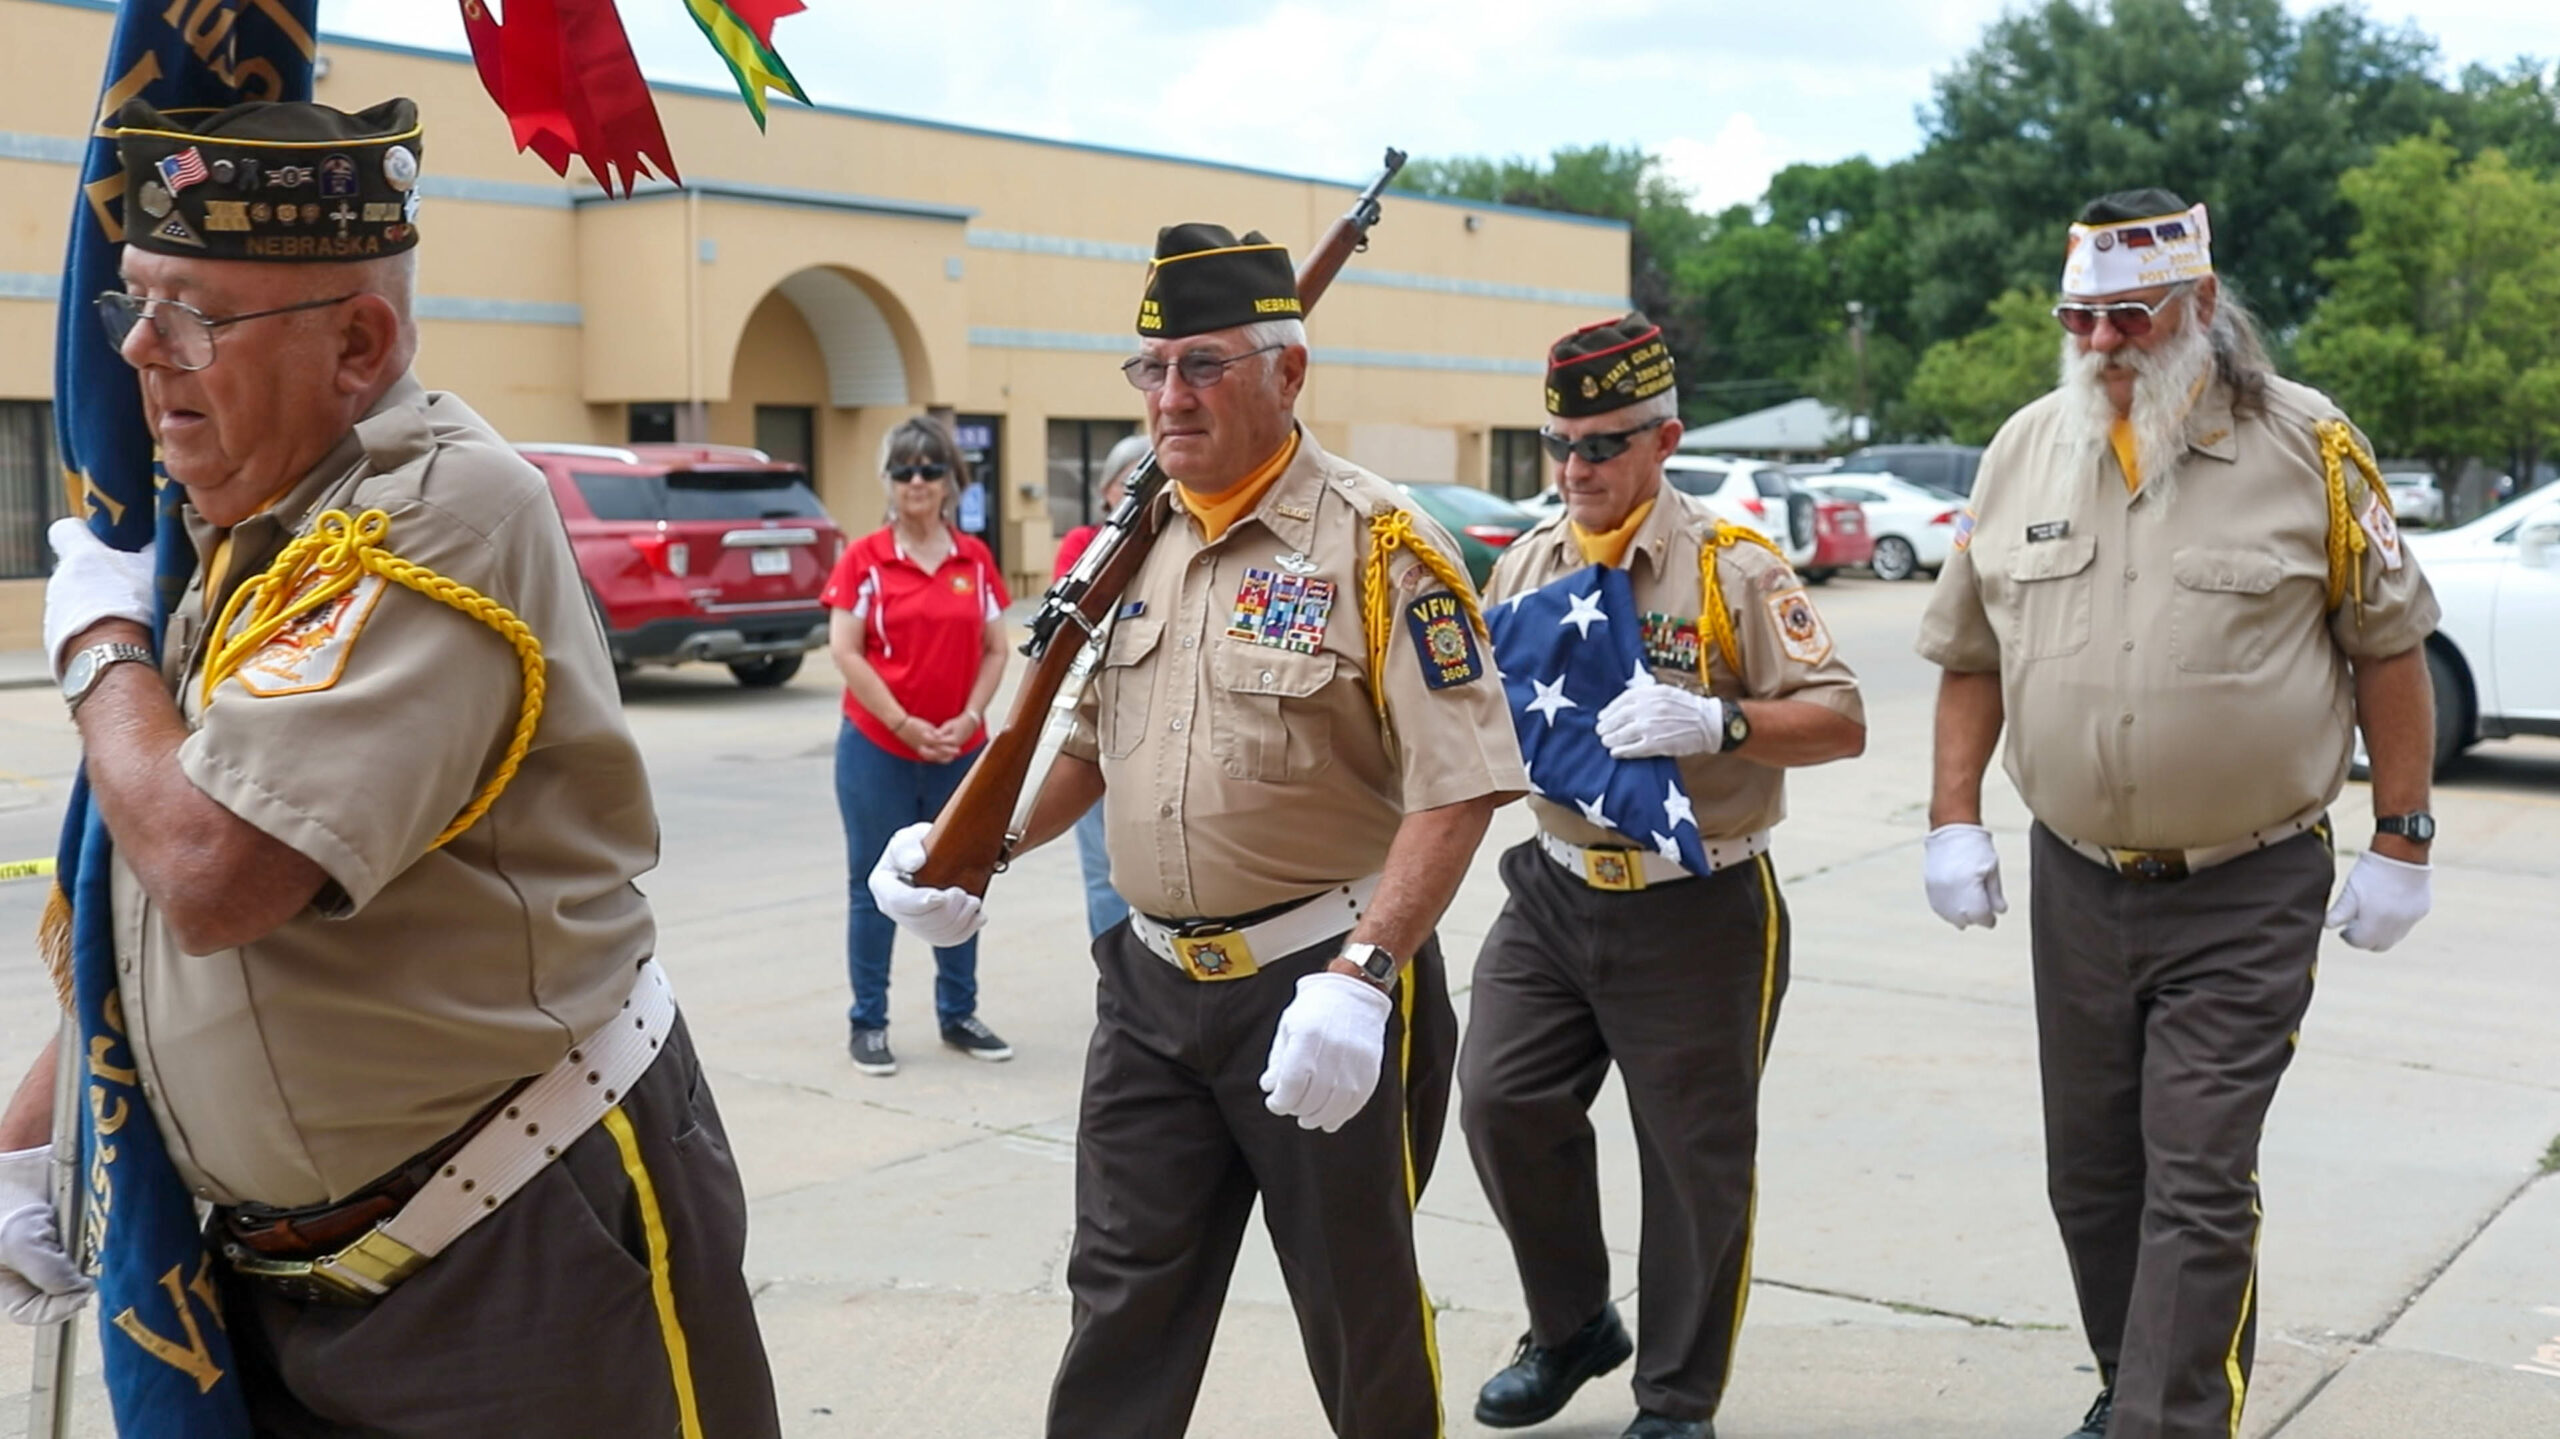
(1617,869)
(2150,863)
(1214,956)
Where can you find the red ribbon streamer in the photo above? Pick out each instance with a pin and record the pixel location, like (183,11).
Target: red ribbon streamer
(564,74)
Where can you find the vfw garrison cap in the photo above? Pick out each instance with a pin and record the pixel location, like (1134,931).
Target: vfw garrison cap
(1607,366)
(271,180)
(1203,278)
(2134,240)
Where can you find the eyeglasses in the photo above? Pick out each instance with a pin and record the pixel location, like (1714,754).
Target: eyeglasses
(184,331)
(1199,369)
(1595,449)
(908,474)
(2131,318)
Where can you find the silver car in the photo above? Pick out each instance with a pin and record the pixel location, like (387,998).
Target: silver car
(2415,500)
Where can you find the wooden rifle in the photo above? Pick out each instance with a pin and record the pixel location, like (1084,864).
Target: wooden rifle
(975,834)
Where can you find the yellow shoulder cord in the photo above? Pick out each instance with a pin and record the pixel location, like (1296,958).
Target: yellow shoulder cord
(2346,534)
(1711,610)
(326,563)
(1392,529)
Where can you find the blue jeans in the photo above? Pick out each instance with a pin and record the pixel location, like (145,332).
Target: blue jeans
(1103,906)
(880,793)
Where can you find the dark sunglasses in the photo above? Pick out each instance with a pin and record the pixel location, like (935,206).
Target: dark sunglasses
(908,474)
(2131,318)
(1595,449)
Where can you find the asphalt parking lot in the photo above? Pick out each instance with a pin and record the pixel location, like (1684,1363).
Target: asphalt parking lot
(910,1233)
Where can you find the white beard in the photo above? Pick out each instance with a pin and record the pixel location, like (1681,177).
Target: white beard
(2166,381)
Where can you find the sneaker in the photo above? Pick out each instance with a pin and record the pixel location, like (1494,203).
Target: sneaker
(2094,1426)
(871,1052)
(971,1037)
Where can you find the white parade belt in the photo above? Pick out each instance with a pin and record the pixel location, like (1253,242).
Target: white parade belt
(1214,954)
(1626,868)
(516,1143)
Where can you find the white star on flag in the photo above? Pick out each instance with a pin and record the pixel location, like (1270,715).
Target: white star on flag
(1550,701)
(1591,811)
(1676,805)
(1582,612)
(1667,847)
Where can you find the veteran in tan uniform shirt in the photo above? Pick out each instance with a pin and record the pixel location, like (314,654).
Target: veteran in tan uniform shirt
(1607,951)
(1298,738)
(2179,592)
(363,944)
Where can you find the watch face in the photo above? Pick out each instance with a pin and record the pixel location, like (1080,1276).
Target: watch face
(77,674)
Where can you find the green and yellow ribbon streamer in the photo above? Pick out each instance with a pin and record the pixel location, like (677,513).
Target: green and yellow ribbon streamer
(755,65)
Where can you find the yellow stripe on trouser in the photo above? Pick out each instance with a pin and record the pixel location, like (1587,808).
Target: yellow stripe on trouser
(661,1283)
(2248,1302)
(1413,1196)
(1768,998)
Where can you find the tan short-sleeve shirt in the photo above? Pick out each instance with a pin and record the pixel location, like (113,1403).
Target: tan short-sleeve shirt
(297,1068)
(1234,713)
(2172,672)
(1787,652)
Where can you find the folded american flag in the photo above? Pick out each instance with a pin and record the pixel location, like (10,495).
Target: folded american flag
(1565,651)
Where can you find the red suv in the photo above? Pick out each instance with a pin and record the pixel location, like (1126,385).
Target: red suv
(697,552)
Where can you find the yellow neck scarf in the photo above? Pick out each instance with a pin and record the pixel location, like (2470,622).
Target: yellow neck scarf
(1216,513)
(2121,437)
(1610,548)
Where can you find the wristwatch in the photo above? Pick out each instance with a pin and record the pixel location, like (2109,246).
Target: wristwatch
(1737,727)
(1377,963)
(2417,826)
(80,674)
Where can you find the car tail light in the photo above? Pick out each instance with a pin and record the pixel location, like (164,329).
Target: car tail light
(667,557)
(1758,510)
(1498,536)
(1947,518)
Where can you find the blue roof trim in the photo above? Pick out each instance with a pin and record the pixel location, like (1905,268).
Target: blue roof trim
(43,149)
(717,93)
(30,285)
(494,192)
(1061,245)
(1085,342)
(498,312)
(999,337)
(1118,253)
(783,195)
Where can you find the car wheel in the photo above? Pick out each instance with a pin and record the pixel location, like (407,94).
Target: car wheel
(1819,577)
(765,672)
(1894,559)
(2453,707)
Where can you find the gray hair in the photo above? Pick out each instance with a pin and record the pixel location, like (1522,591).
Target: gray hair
(1116,465)
(1665,406)
(2239,351)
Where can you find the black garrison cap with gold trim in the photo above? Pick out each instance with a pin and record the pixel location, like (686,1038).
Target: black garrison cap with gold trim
(1607,366)
(271,180)
(1203,278)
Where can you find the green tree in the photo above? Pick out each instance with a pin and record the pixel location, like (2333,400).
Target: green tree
(1967,388)
(2441,332)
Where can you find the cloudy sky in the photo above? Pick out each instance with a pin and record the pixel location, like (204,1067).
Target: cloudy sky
(1727,92)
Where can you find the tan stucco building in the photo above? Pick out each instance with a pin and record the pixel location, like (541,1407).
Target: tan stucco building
(814,285)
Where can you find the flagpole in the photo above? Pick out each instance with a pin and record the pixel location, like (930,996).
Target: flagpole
(58,1345)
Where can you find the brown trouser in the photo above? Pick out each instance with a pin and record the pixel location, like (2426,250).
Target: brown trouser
(2165,1014)
(1172,1145)
(565,1313)
(1679,985)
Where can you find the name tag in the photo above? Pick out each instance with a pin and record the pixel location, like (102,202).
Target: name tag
(2049,530)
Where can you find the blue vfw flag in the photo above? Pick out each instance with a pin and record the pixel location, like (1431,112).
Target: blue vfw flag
(1565,651)
(168,1366)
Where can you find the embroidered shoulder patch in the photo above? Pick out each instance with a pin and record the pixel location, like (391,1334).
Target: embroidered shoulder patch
(2381,526)
(1964,531)
(311,653)
(1444,641)
(1801,632)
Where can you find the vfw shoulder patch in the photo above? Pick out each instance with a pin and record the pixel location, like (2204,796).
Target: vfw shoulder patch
(2381,526)
(1801,632)
(1444,641)
(310,654)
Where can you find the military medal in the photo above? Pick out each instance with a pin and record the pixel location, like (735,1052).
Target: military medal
(1296,563)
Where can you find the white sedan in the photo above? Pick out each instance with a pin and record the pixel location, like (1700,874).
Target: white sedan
(2495,666)
(1914,525)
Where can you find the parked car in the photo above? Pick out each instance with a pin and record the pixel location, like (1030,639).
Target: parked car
(2415,500)
(1914,526)
(697,552)
(1940,467)
(1840,539)
(2495,669)
(1484,523)
(1753,494)
(1545,504)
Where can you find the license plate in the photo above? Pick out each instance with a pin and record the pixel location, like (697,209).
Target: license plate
(769,562)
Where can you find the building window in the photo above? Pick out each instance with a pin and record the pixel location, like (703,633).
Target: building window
(30,488)
(1076,452)
(1517,474)
(653,423)
(981,439)
(789,433)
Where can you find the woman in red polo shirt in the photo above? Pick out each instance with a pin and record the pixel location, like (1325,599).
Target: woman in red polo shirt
(917,630)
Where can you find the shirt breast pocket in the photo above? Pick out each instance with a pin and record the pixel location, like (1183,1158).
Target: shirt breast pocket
(2223,620)
(2049,596)
(1267,716)
(1121,689)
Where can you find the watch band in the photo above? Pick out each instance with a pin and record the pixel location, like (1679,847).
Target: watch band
(2417,826)
(1376,963)
(82,672)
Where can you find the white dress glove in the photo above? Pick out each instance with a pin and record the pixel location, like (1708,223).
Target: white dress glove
(38,1282)
(939,917)
(92,581)
(1660,719)
(1962,872)
(1324,1060)
(2382,900)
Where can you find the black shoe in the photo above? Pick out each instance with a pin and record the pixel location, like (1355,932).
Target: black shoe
(1649,1425)
(971,1037)
(2094,1426)
(1539,1381)
(871,1052)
